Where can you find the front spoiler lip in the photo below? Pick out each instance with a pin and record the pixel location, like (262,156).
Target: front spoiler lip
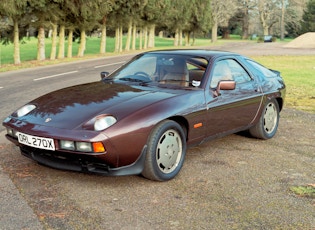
(82,163)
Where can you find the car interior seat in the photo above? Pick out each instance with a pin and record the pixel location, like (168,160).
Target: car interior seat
(177,73)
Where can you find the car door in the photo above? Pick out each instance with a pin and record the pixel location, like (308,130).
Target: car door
(231,110)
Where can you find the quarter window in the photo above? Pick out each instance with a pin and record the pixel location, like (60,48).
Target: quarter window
(264,70)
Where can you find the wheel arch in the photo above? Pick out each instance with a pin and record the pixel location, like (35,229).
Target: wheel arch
(155,163)
(280,102)
(182,121)
(277,97)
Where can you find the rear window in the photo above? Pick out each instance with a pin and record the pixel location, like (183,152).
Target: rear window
(266,72)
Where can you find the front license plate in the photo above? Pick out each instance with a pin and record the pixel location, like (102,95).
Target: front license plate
(36,142)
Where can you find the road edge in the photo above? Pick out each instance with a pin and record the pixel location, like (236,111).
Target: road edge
(15,213)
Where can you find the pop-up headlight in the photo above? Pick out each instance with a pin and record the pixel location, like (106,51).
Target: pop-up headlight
(102,123)
(25,110)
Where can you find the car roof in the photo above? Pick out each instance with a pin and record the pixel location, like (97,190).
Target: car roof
(208,54)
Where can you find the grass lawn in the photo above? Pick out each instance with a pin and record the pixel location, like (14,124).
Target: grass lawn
(297,71)
(28,49)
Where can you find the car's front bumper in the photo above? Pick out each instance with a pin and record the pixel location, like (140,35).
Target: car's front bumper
(79,162)
(111,162)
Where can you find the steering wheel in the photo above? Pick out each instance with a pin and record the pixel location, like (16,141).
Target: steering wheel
(140,73)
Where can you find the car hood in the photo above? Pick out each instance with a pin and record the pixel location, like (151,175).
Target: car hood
(72,107)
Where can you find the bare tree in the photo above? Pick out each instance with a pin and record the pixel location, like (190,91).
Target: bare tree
(294,14)
(282,26)
(221,12)
(268,14)
(285,17)
(276,14)
(245,7)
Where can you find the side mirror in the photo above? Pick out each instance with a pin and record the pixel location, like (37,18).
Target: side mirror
(224,85)
(104,75)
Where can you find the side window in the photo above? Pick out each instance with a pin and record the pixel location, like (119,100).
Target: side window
(228,69)
(222,71)
(238,72)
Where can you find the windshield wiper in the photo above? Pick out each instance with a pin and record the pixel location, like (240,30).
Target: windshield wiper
(135,79)
(127,79)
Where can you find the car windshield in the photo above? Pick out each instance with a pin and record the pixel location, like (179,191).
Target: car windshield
(162,69)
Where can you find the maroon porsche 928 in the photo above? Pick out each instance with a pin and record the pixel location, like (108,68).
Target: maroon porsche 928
(141,118)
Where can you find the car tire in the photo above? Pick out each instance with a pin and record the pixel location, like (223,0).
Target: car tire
(166,150)
(267,125)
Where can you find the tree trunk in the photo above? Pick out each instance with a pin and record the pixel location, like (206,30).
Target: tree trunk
(121,39)
(134,37)
(226,33)
(41,44)
(61,50)
(129,34)
(282,20)
(263,17)
(194,39)
(82,43)
(180,37)
(103,36)
(176,38)
(140,38)
(17,59)
(117,34)
(266,30)
(151,36)
(53,51)
(103,39)
(245,26)
(70,38)
(145,34)
(187,39)
(214,32)
(161,34)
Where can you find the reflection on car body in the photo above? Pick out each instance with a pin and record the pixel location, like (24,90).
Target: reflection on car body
(141,118)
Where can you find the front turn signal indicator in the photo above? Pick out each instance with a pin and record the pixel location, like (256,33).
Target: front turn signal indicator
(198,125)
(98,147)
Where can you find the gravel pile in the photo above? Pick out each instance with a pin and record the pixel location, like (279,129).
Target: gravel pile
(306,40)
